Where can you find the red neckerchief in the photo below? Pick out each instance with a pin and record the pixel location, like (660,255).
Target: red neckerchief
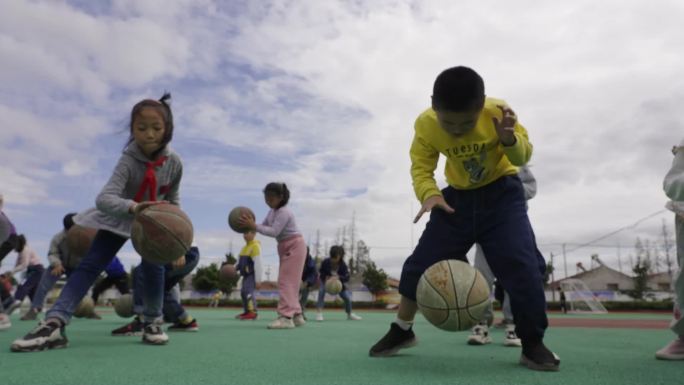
(149,182)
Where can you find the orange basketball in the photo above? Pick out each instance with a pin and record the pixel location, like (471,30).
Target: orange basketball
(235,215)
(162,233)
(79,239)
(228,271)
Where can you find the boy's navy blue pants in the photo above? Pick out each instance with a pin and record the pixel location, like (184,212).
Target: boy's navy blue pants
(495,216)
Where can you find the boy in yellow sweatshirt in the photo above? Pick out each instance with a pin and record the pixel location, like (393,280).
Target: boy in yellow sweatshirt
(484,145)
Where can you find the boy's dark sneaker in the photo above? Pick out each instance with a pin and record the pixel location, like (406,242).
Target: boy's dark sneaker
(47,335)
(181,327)
(154,335)
(135,328)
(239,316)
(395,340)
(536,356)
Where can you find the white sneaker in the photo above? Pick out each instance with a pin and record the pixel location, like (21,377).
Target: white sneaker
(298,320)
(319,317)
(511,338)
(480,335)
(5,322)
(154,335)
(672,351)
(282,323)
(353,317)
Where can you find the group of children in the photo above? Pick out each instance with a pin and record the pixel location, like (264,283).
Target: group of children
(484,204)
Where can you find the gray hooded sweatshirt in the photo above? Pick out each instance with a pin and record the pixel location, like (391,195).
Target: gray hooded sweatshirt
(115,199)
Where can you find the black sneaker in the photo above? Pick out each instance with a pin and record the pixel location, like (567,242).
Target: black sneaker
(154,335)
(395,340)
(134,328)
(47,335)
(181,327)
(536,356)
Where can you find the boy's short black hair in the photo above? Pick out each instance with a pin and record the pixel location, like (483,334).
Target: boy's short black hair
(336,251)
(68,221)
(279,189)
(458,89)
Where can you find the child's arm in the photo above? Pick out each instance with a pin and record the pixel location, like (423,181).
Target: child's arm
(174,191)
(528,181)
(280,220)
(424,160)
(257,268)
(54,254)
(343,273)
(22,261)
(109,200)
(508,129)
(674,180)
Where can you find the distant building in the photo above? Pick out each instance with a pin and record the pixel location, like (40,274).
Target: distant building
(600,279)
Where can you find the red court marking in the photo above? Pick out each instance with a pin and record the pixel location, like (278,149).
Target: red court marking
(609,323)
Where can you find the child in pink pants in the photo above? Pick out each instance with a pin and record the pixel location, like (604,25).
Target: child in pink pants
(280,224)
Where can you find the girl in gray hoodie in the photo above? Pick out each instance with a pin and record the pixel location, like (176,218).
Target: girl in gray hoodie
(147,173)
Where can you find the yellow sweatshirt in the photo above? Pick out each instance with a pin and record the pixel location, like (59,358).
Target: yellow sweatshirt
(474,159)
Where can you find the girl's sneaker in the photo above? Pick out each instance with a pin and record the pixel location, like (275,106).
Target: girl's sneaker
(249,316)
(47,335)
(181,327)
(673,351)
(135,328)
(282,323)
(239,316)
(353,317)
(298,320)
(154,335)
(319,316)
(5,322)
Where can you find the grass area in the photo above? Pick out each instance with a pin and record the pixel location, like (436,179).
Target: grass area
(333,352)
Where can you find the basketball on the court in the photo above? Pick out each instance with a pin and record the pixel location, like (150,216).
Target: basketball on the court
(234,217)
(162,233)
(79,239)
(85,309)
(333,286)
(228,271)
(452,295)
(124,306)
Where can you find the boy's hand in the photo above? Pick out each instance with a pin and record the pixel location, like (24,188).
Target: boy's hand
(432,202)
(506,127)
(178,263)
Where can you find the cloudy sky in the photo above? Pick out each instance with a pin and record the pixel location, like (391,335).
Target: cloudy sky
(323,95)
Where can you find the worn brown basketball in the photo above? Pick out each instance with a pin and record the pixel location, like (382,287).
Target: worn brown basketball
(79,239)
(162,233)
(234,217)
(333,286)
(85,308)
(124,306)
(452,295)
(228,271)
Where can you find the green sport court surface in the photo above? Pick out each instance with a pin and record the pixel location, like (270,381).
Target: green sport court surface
(228,351)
